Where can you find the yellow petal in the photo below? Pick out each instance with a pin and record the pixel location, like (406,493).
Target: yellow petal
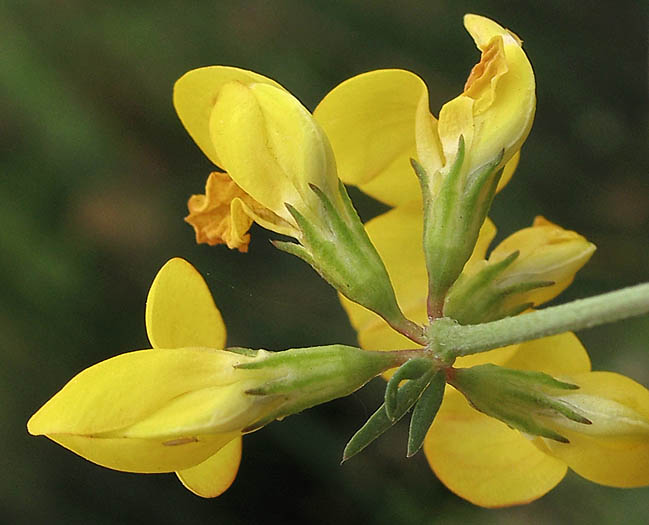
(485,236)
(505,107)
(484,461)
(273,148)
(547,253)
(219,409)
(496,110)
(143,455)
(370,122)
(127,388)
(195,94)
(497,356)
(557,355)
(455,119)
(429,149)
(508,170)
(180,311)
(213,477)
(483,29)
(614,450)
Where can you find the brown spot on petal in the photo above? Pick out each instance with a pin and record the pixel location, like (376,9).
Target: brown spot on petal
(179,441)
(214,217)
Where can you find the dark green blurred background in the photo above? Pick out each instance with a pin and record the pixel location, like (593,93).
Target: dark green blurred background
(96,170)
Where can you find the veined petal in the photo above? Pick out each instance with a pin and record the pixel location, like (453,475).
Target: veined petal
(195,94)
(273,148)
(483,460)
(213,477)
(614,449)
(143,455)
(370,121)
(180,311)
(215,219)
(127,388)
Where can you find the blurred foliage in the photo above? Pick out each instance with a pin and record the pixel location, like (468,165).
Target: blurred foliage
(96,169)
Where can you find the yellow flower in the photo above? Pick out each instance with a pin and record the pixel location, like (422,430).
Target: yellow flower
(268,144)
(547,252)
(184,405)
(528,268)
(486,462)
(180,407)
(377,121)
(279,172)
(478,457)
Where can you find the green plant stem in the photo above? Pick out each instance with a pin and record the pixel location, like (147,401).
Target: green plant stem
(410,329)
(450,339)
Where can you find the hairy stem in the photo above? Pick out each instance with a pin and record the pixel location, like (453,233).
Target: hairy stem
(451,339)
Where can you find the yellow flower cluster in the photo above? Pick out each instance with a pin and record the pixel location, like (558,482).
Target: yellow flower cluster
(272,153)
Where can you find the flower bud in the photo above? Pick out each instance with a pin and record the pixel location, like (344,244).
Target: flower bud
(613,450)
(530,267)
(522,399)
(463,157)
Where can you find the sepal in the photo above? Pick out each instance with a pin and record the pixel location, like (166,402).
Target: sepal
(453,218)
(522,399)
(305,377)
(528,268)
(339,249)
(481,298)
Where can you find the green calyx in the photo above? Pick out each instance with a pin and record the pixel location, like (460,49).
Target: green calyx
(339,249)
(452,220)
(522,399)
(482,297)
(305,377)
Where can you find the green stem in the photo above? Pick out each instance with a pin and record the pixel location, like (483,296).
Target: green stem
(410,329)
(451,339)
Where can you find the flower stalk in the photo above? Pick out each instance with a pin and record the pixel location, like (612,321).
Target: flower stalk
(449,338)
